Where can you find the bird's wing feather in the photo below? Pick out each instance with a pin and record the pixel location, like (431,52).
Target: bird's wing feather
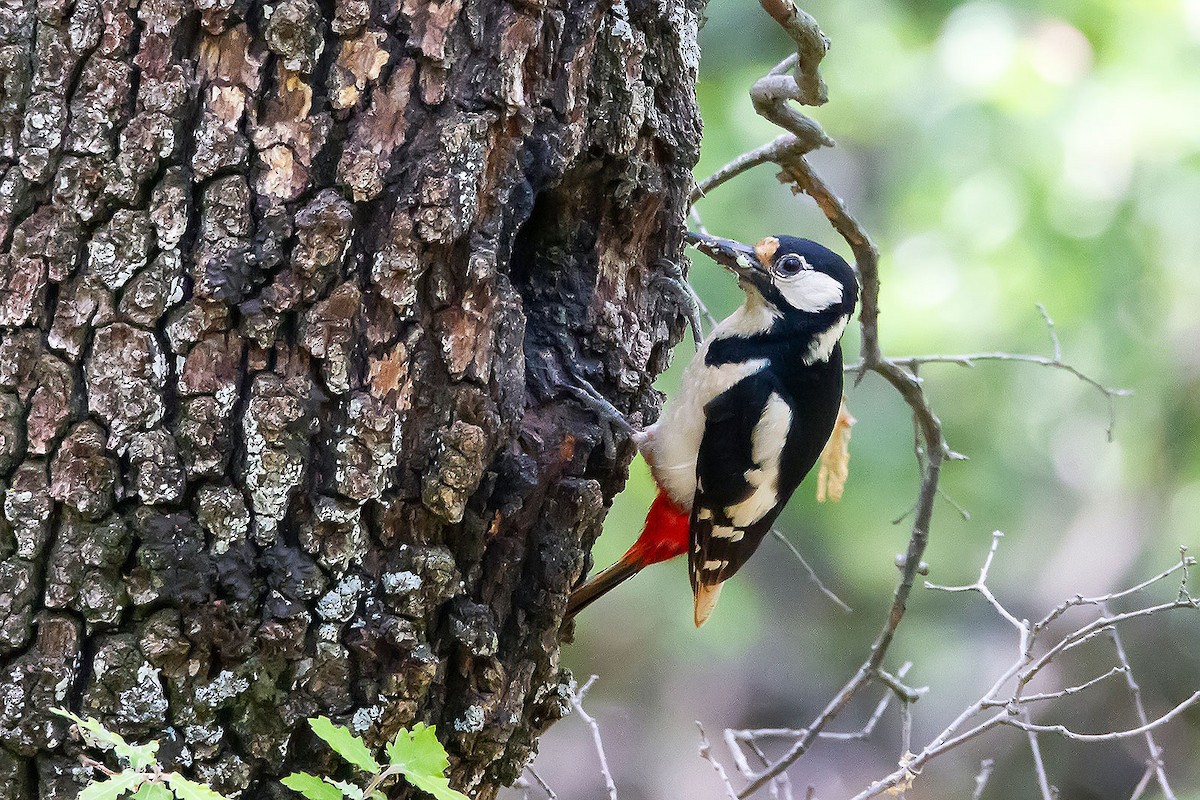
(736,468)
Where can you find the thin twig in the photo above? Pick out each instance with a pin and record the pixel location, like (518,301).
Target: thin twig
(540,782)
(1140,788)
(576,698)
(781,785)
(1070,690)
(1112,736)
(1155,760)
(1053,333)
(980,585)
(1039,767)
(970,359)
(767,154)
(1079,600)
(706,754)
(812,574)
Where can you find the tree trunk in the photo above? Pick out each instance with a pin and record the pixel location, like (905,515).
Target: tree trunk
(289,295)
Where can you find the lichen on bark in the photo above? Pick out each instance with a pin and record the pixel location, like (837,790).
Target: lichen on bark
(289,293)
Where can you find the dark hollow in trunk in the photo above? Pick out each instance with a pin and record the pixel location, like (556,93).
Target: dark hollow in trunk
(289,293)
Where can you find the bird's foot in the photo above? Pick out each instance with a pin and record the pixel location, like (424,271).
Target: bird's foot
(582,390)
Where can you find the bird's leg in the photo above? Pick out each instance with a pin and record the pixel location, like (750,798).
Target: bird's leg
(669,276)
(591,397)
(582,390)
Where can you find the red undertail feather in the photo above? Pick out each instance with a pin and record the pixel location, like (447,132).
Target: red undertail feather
(664,536)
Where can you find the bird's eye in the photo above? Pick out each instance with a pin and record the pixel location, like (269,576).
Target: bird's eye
(790,265)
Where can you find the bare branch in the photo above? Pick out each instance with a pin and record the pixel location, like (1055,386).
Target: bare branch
(1053,333)
(812,574)
(1093,628)
(1155,762)
(980,585)
(734,737)
(1070,690)
(1039,766)
(904,692)
(767,154)
(576,698)
(1022,671)
(1140,788)
(545,786)
(1184,562)
(1113,736)
(1055,362)
(706,753)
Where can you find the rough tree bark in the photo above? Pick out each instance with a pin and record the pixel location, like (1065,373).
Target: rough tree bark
(288,294)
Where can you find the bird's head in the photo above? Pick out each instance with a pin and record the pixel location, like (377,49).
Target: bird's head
(791,274)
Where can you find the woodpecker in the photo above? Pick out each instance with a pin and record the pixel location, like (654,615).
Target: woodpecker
(757,404)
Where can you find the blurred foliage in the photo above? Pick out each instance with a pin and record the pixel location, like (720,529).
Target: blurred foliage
(1002,155)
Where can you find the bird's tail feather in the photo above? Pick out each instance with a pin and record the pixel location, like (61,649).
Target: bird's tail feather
(664,536)
(706,595)
(602,583)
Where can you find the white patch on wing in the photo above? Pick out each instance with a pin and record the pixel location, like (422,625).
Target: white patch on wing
(766,445)
(721,532)
(706,513)
(810,290)
(824,342)
(712,565)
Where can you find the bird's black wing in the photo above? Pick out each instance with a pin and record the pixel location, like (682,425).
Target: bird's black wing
(737,471)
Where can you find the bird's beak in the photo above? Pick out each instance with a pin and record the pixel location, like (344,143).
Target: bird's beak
(741,259)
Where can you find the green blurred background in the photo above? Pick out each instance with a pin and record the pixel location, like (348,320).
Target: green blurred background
(1002,156)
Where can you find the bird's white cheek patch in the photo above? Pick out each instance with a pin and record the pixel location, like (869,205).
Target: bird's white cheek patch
(810,291)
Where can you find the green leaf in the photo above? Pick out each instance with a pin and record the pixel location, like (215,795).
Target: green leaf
(138,756)
(312,787)
(94,734)
(420,756)
(345,744)
(114,787)
(348,789)
(152,791)
(418,750)
(436,785)
(190,790)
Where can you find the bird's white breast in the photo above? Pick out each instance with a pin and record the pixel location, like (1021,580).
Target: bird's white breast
(670,445)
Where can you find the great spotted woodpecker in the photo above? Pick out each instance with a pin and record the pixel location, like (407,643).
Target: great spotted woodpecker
(758,403)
